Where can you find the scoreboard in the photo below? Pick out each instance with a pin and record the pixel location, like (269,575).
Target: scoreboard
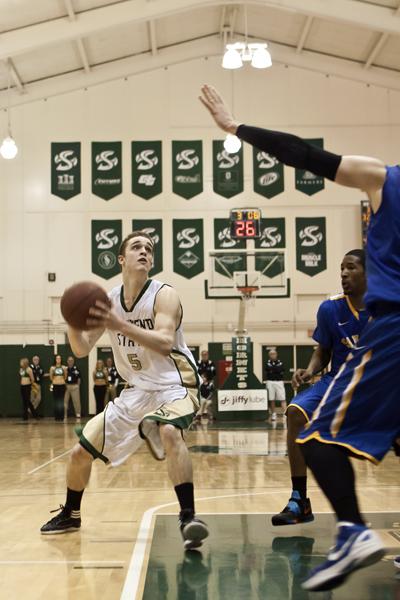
(245,223)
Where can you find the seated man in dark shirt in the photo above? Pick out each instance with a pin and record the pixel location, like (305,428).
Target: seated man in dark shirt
(205,366)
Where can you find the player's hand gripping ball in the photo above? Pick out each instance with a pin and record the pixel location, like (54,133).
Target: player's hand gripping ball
(78,299)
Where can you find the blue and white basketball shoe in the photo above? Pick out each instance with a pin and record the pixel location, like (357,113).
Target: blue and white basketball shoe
(397,562)
(356,547)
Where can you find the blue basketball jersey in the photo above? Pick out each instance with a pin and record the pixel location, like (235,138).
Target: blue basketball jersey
(339,326)
(383,244)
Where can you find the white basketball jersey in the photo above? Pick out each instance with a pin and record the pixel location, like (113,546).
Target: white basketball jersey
(139,365)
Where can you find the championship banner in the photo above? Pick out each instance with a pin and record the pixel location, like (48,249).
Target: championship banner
(106,240)
(106,169)
(187,168)
(273,235)
(66,169)
(365,219)
(311,245)
(307,182)
(268,174)
(227,170)
(188,247)
(153,227)
(226,265)
(146,169)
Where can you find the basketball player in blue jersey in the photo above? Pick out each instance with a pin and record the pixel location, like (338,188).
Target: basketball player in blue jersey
(144,324)
(340,321)
(359,414)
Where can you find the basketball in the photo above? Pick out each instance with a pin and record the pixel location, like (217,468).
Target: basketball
(78,299)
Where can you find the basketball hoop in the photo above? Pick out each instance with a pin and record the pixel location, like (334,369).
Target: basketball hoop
(247,291)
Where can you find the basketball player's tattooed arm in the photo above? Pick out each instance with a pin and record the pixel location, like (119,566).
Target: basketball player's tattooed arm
(318,361)
(83,341)
(168,313)
(362,172)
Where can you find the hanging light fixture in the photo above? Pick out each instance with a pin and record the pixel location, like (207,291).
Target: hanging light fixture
(241,52)
(8,148)
(232,143)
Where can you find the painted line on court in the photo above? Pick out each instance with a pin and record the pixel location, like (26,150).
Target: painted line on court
(86,563)
(132,580)
(49,462)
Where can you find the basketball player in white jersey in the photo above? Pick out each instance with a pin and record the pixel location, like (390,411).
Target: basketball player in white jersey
(144,325)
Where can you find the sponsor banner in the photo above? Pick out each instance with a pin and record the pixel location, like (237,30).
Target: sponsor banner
(106,240)
(188,247)
(307,182)
(273,235)
(243,442)
(146,169)
(226,265)
(365,219)
(66,169)
(311,245)
(227,170)
(106,169)
(187,168)
(242,400)
(153,227)
(268,174)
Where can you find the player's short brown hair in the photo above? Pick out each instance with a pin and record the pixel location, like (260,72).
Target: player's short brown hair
(138,233)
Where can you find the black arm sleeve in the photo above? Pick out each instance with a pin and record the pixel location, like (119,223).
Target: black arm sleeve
(291,150)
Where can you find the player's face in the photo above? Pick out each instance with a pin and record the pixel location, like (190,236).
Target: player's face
(138,255)
(352,275)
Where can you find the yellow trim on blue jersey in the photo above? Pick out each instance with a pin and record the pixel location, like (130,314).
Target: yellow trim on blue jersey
(360,454)
(351,307)
(348,394)
(325,396)
(337,296)
(298,408)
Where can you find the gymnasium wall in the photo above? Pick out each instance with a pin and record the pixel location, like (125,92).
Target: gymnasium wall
(40,233)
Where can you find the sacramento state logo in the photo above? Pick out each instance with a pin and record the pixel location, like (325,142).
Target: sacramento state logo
(106,260)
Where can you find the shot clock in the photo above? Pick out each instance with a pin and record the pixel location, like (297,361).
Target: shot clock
(245,223)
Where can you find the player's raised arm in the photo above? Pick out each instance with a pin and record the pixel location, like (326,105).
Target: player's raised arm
(360,172)
(167,318)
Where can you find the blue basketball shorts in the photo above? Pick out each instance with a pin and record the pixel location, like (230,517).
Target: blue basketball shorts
(361,408)
(308,400)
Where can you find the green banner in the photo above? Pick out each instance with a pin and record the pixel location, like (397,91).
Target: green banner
(242,376)
(311,245)
(273,235)
(106,169)
(146,169)
(227,170)
(66,169)
(153,227)
(227,264)
(307,182)
(187,168)
(268,174)
(106,240)
(188,247)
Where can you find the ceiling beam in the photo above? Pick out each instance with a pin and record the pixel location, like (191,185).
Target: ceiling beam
(304,34)
(383,38)
(194,50)
(27,39)
(153,37)
(15,76)
(83,55)
(70,10)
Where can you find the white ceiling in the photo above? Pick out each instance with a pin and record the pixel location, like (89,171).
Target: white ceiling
(55,46)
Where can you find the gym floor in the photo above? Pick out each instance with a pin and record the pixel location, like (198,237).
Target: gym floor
(129,545)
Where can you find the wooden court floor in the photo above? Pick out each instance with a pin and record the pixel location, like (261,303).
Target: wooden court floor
(241,474)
